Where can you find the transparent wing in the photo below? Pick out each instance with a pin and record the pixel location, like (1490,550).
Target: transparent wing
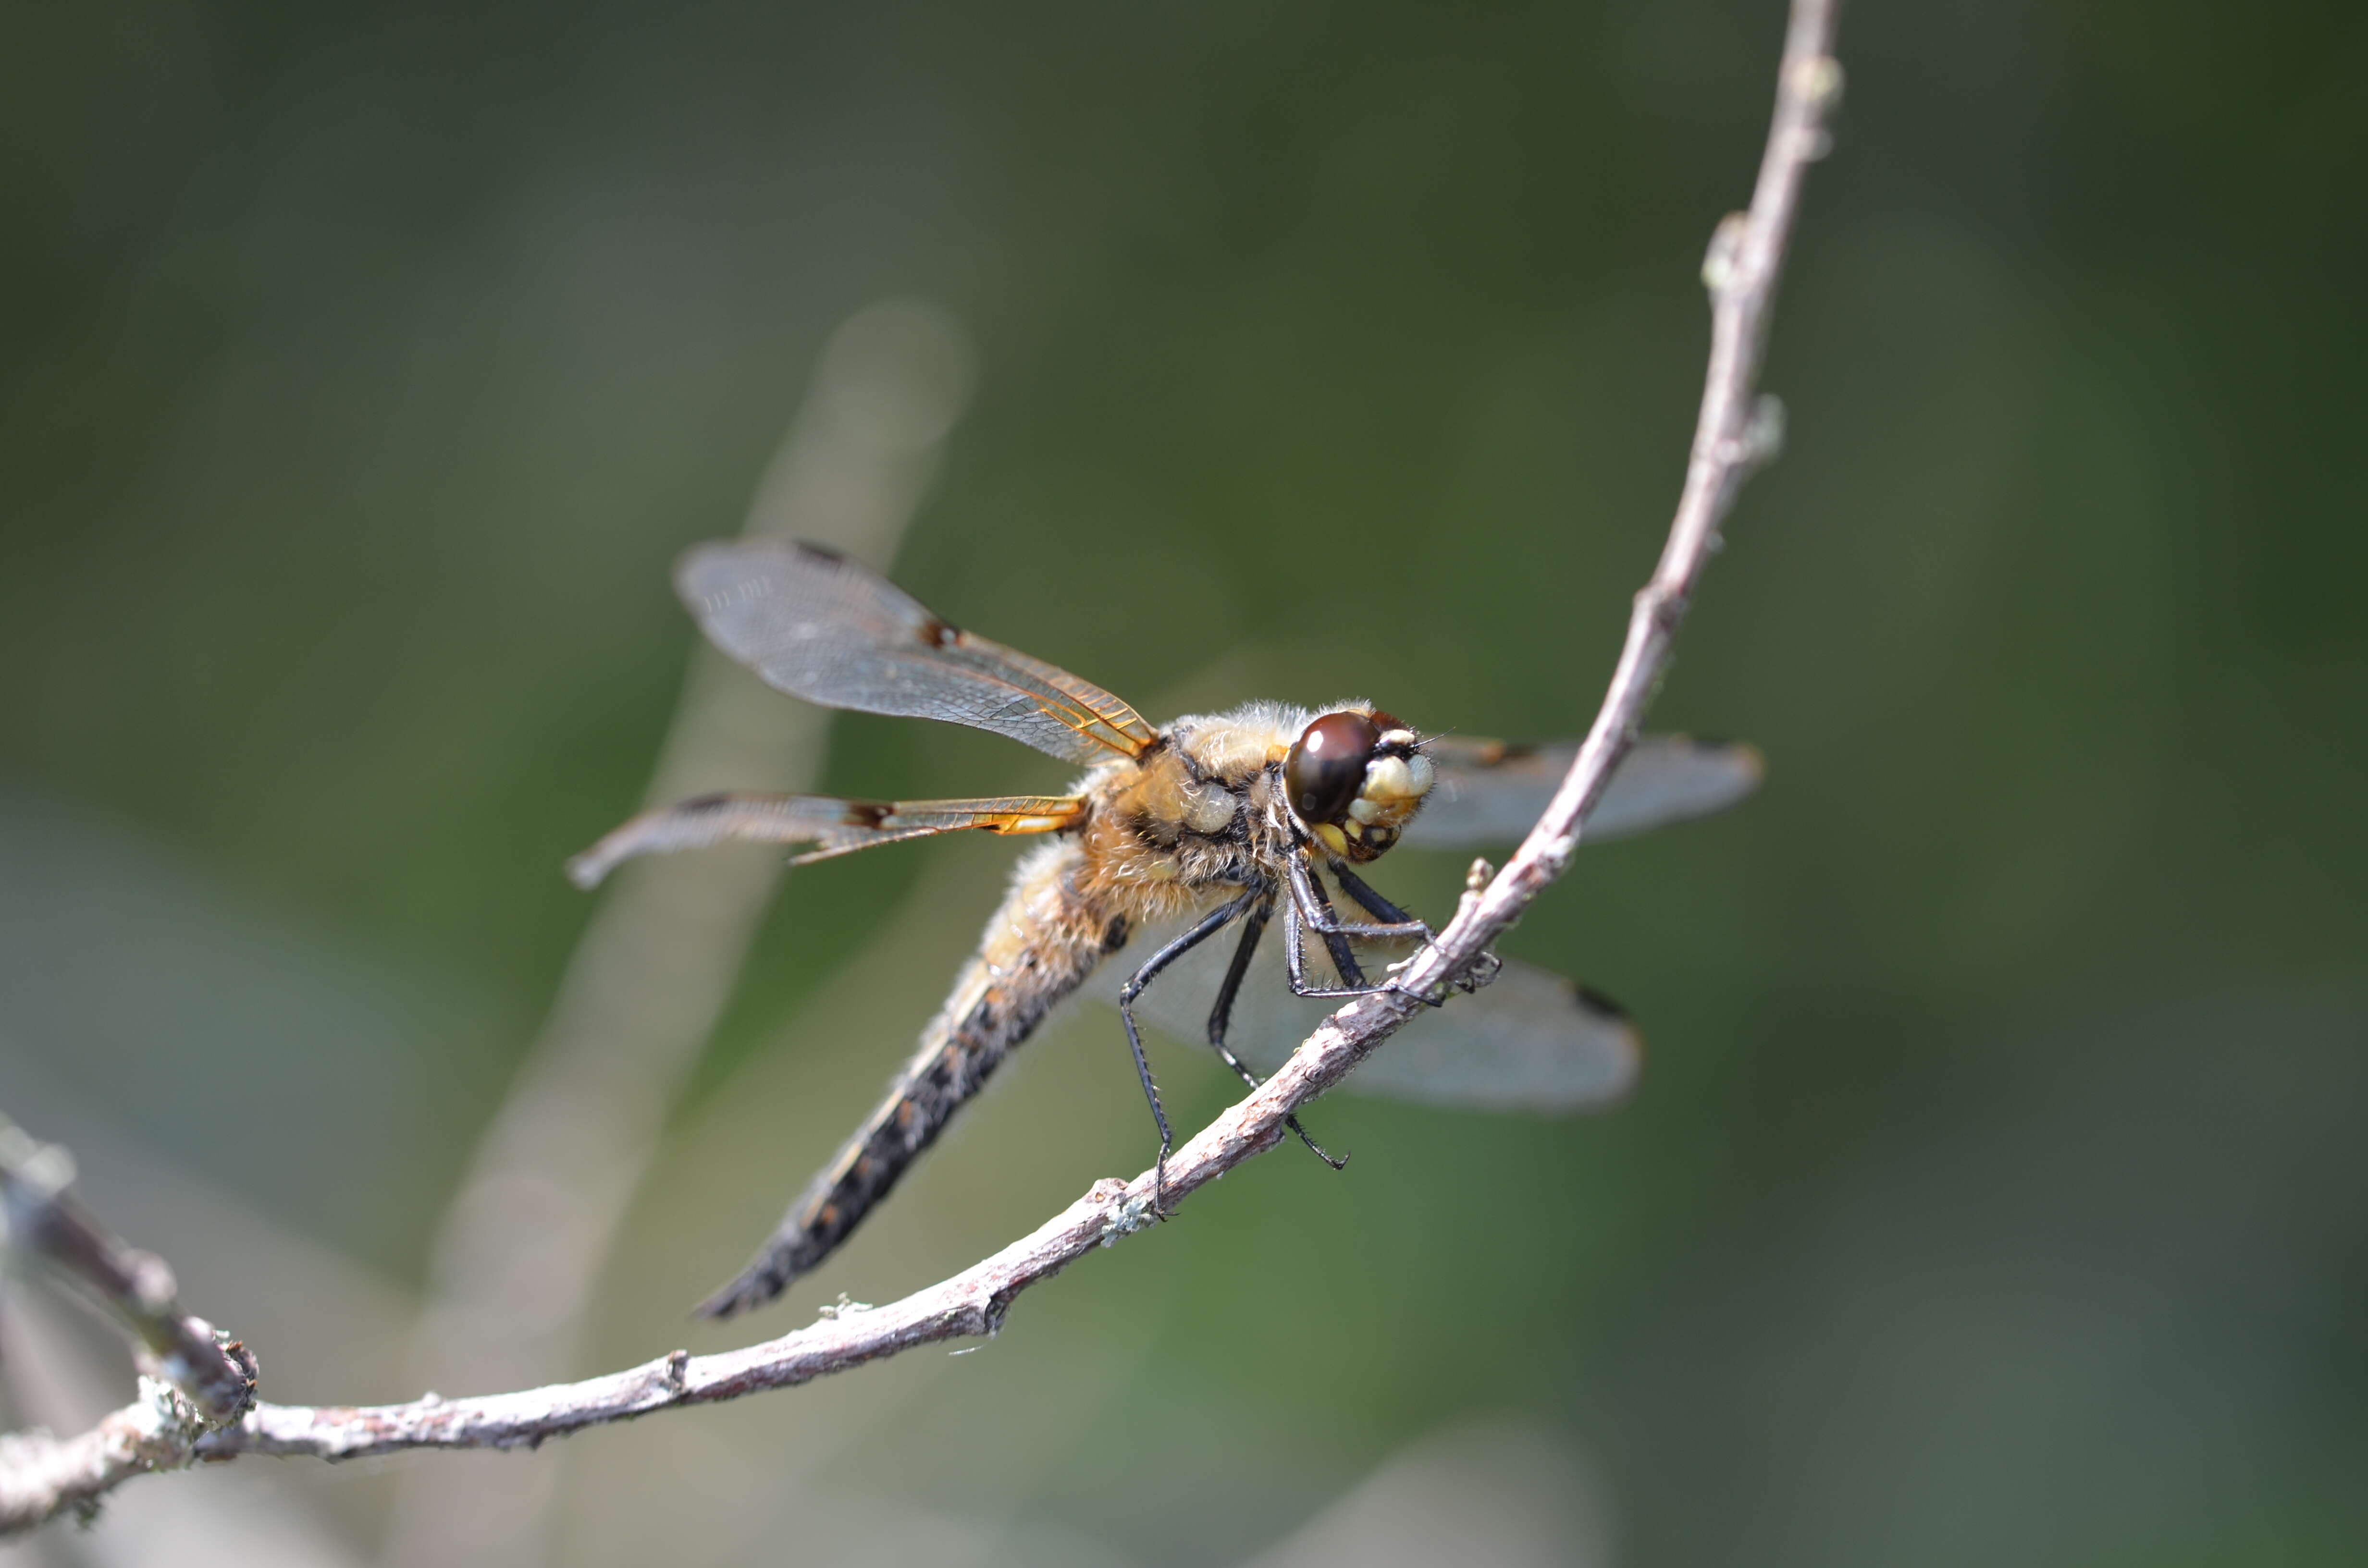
(834,826)
(1531,1041)
(818,625)
(1492,791)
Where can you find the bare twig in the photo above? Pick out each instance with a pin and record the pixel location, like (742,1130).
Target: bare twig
(194,1380)
(216,1375)
(42,1475)
(1734,432)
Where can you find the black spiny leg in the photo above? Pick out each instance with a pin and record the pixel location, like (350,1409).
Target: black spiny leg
(1374,904)
(1209,925)
(1324,920)
(1381,908)
(1221,1016)
(1312,906)
(1318,914)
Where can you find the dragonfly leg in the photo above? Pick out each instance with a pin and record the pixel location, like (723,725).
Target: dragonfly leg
(1322,918)
(1207,926)
(1397,921)
(1221,1018)
(1382,909)
(1311,907)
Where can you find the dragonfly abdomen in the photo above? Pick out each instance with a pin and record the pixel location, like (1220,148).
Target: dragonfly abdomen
(1042,945)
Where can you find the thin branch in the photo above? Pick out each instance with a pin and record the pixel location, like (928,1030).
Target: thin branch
(194,1380)
(216,1375)
(1735,432)
(42,1476)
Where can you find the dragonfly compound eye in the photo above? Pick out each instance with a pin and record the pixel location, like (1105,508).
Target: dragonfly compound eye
(1327,766)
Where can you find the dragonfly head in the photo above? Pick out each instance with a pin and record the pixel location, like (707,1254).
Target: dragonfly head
(1354,779)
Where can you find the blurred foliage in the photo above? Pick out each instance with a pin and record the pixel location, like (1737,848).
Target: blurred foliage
(1997,1189)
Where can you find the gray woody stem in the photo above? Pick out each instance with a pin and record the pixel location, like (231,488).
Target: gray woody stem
(196,1381)
(1735,432)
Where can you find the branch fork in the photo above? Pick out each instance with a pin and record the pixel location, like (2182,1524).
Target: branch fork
(197,1402)
(194,1380)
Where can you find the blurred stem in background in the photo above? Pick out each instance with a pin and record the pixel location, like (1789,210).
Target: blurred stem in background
(523,1243)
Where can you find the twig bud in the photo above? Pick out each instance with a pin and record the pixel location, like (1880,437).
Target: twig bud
(1721,261)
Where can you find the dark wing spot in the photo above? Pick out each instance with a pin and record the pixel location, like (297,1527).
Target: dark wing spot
(1596,1001)
(937,633)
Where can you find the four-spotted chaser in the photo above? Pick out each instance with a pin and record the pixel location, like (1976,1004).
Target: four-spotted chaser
(1171,836)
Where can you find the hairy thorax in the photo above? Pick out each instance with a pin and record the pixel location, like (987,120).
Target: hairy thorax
(1195,820)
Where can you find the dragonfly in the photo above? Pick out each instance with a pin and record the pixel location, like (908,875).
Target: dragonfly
(1172,837)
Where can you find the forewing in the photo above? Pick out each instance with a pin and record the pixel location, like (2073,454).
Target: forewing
(832,825)
(1493,792)
(1529,1041)
(820,627)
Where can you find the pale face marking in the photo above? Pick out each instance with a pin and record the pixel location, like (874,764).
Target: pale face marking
(1394,779)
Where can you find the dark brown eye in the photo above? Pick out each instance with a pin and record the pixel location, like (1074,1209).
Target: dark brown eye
(1327,765)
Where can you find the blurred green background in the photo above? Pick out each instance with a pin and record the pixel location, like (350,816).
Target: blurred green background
(1997,1191)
